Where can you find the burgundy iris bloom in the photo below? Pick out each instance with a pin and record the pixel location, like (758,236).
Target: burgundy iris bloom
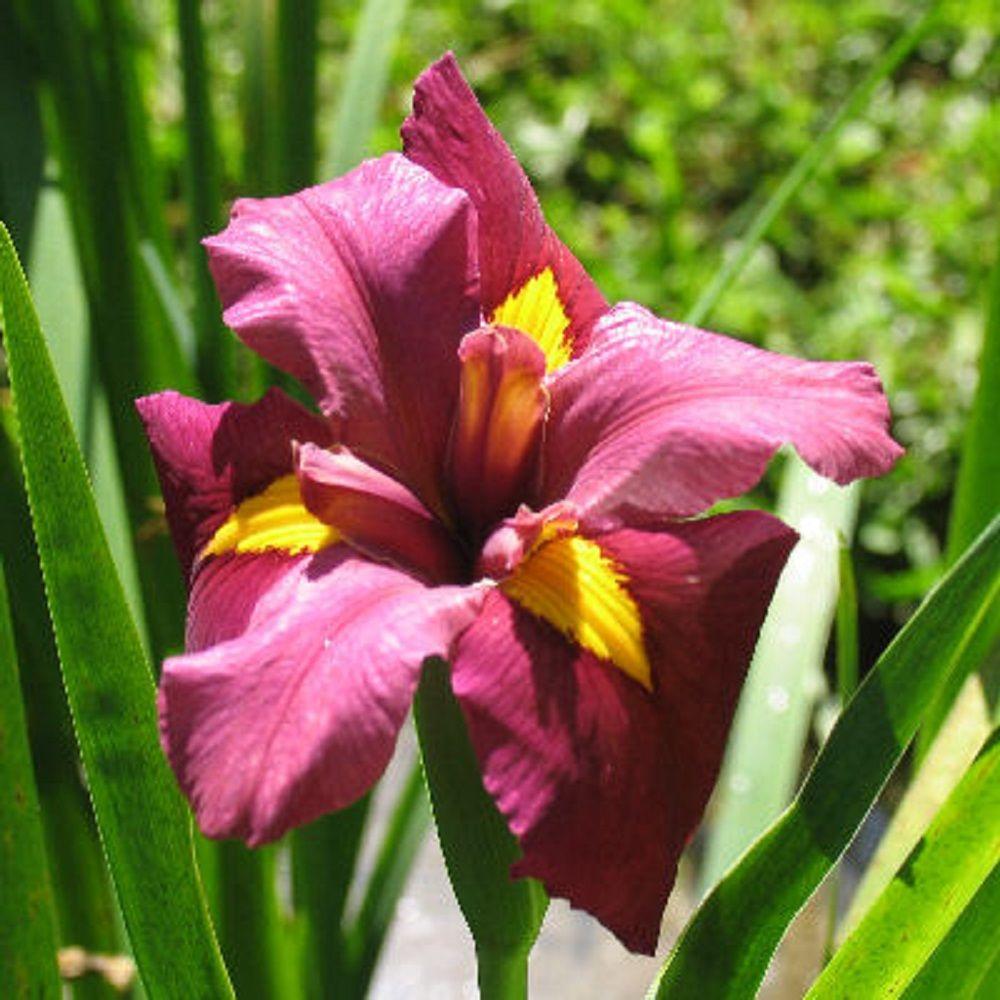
(504,472)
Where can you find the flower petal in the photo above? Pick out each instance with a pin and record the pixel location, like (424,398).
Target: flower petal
(210,457)
(362,288)
(449,134)
(603,782)
(375,514)
(299,715)
(660,419)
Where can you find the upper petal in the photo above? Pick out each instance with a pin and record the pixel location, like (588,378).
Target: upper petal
(603,781)
(660,419)
(210,457)
(449,134)
(362,288)
(298,714)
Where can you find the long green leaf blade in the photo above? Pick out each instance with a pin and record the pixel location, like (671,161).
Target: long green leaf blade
(28,967)
(407,827)
(143,821)
(966,961)
(379,24)
(924,899)
(726,947)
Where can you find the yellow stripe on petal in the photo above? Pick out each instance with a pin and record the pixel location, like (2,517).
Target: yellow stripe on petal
(536,309)
(573,585)
(275,520)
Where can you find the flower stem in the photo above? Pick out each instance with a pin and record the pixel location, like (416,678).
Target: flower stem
(503,975)
(503,914)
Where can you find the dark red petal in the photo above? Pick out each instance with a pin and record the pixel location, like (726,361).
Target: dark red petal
(362,288)
(450,136)
(603,782)
(211,456)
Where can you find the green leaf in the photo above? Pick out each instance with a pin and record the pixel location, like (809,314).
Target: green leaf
(924,899)
(324,855)
(143,821)
(363,89)
(27,916)
(83,895)
(402,840)
(771,727)
(296,64)
(22,147)
(977,498)
(958,741)
(725,950)
(966,964)
(504,915)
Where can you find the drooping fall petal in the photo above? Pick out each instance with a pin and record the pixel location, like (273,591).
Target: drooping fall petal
(659,419)
(299,715)
(551,296)
(210,457)
(362,288)
(376,514)
(602,780)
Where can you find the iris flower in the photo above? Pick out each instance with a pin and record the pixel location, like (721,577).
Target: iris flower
(503,472)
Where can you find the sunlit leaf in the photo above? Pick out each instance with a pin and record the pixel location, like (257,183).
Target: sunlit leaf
(143,820)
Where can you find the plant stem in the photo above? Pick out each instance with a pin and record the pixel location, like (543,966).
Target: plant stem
(503,975)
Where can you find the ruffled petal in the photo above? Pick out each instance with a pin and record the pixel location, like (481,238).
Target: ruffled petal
(210,457)
(450,136)
(361,288)
(660,419)
(602,781)
(377,515)
(299,715)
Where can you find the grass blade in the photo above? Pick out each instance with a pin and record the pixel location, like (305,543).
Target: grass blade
(407,827)
(296,114)
(927,895)
(324,855)
(22,147)
(143,821)
(727,945)
(83,895)
(807,164)
(361,93)
(26,907)
(977,498)
(786,676)
(960,967)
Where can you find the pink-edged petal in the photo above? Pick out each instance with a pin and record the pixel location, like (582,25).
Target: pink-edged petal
(661,419)
(299,715)
(450,136)
(603,782)
(209,457)
(362,288)
(376,514)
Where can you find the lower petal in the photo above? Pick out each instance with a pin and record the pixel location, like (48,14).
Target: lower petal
(299,714)
(602,781)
